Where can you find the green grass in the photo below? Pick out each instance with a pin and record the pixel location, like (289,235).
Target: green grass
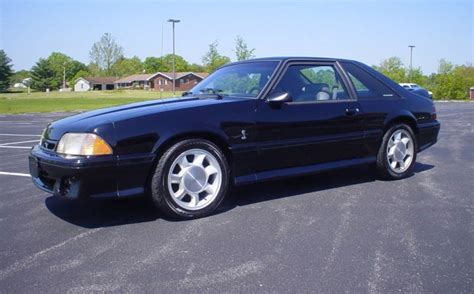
(72,101)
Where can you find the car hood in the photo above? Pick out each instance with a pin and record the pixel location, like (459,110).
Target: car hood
(103,120)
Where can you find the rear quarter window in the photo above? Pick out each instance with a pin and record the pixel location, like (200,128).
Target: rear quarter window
(366,86)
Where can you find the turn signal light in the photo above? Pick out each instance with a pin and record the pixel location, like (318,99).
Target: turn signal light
(83,144)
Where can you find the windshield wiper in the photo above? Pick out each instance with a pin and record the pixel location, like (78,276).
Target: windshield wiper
(213,91)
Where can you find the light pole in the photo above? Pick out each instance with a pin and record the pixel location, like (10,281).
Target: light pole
(64,76)
(173,21)
(411,61)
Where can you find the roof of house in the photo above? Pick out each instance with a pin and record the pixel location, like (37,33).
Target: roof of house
(135,78)
(100,80)
(179,75)
(169,75)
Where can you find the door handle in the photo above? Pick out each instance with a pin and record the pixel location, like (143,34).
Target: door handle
(352,111)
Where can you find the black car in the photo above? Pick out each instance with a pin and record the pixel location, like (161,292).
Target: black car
(249,121)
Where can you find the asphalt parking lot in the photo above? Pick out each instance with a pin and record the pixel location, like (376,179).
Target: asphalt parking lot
(342,231)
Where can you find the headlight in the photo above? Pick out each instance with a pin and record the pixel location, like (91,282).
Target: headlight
(83,144)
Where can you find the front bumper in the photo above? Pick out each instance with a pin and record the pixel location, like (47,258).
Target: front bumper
(90,176)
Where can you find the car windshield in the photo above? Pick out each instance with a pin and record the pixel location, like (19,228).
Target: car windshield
(242,80)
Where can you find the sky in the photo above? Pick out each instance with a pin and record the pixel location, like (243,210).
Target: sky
(366,30)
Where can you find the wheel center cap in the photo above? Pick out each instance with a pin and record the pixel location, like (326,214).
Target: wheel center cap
(195,179)
(400,151)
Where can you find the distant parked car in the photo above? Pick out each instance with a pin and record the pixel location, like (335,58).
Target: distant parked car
(247,122)
(417,89)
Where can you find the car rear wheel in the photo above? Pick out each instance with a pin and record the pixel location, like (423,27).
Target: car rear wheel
(397,154)
(190,180)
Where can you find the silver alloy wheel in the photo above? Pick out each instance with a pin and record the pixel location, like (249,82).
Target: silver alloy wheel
(194,179)
(400,150)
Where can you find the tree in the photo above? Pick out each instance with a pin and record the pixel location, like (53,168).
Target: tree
(242,52)
(393,68)
(95,70)
(181,63)
(154,64)
(61,66)
(452,82)
(445,67)
(105,53)
(127,66)
(6,71)
(43,76)
(165,64)
(58,62)
(73,68)
(194,67)
(212,59)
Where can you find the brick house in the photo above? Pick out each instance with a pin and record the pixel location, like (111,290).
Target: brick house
(184,80)
(161,81)
(144,81)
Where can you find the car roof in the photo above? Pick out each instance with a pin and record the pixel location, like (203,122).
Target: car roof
(299,58)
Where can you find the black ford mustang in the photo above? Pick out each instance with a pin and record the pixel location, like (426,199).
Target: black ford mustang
(249,121)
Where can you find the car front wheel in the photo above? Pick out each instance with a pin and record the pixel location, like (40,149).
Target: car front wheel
(397,154)
(190,180)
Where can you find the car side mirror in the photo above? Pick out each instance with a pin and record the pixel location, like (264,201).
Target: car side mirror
(277,99)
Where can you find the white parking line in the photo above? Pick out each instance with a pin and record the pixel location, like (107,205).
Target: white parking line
(20,135)
(14,174)
(18,142)
(16,147)
(25,122)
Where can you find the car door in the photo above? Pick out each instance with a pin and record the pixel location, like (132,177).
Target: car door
(322,123)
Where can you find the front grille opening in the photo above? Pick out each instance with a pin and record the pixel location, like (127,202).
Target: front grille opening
(47,181)
(65,186)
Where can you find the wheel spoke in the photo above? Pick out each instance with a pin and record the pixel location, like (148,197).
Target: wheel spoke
(199,159)
(176,178)
(398,136)
(180,193)
(391,151)
(210,170)
(391,142)
(393,164)
(407,157)
(183,163)
(194,199)
(405,142)
(210,189)
(401,163)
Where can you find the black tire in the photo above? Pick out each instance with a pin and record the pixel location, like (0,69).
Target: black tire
(159,184)
(383,168)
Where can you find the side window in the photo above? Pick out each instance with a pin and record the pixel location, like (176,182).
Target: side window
(310,83)
(365,85)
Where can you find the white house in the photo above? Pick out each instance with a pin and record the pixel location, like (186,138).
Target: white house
(94,83)
(19,86)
